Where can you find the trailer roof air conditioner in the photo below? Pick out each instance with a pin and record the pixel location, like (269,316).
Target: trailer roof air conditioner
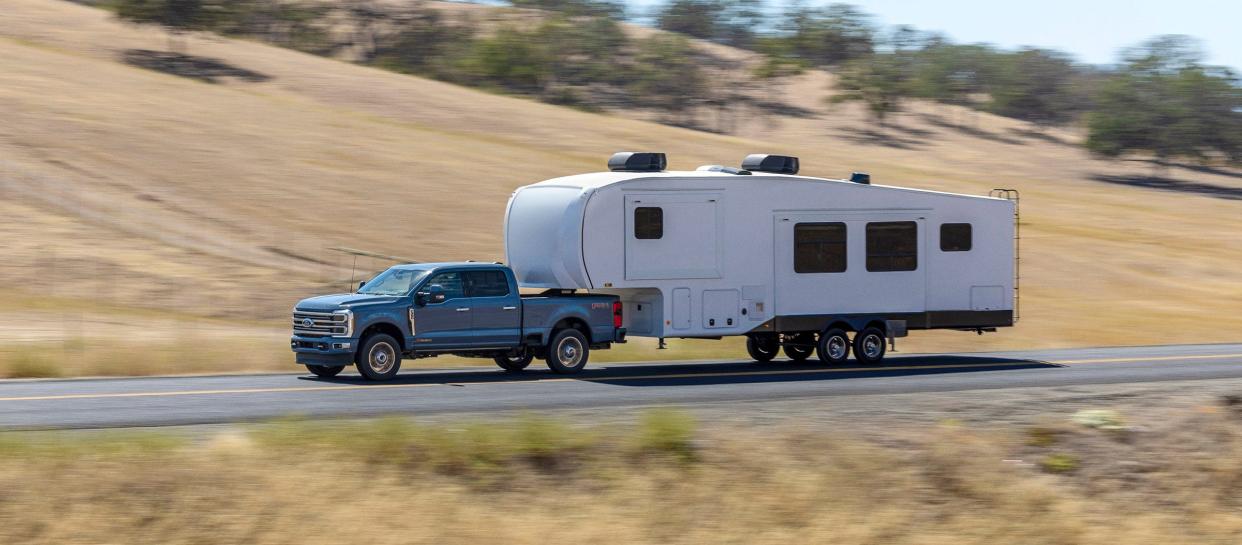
(776,164)
(860,178)
(632,161)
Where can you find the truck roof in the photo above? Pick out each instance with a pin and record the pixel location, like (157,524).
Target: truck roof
(444,264)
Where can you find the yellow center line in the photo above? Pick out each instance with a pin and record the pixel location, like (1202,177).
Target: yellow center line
(783,372)
(1149,358)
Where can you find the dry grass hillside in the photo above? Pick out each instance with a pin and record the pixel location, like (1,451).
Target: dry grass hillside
(135,202)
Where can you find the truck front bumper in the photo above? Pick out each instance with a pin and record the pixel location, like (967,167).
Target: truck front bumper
(326,351)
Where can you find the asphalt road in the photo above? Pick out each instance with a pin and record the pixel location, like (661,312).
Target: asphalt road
(166,401)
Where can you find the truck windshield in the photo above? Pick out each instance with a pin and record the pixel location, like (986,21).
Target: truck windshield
(393,282)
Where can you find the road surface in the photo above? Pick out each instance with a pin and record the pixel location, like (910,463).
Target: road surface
(166,401)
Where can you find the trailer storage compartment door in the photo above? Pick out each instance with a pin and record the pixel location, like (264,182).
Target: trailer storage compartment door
(672,235)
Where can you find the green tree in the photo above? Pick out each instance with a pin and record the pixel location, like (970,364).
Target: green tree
(178,17)
(829,36)
(576,8)
(1036,85)
(881,83)
(666,76)
(1166,103)
(729,22)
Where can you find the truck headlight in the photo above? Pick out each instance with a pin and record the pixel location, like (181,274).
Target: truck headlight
(345,317)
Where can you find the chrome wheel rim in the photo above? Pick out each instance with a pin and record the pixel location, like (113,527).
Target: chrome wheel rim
(836,348)
(569,352)
(381,358)
(872,345)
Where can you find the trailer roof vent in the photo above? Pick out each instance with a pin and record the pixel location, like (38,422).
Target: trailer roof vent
(777,164)
(722,168)
(633,161)
(860,178)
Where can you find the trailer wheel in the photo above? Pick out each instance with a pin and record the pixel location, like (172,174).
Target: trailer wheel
(379,358)
(510,361)
(800,347)
(568,351)
(762,347)
(869,346)
(834,346)
(325,371)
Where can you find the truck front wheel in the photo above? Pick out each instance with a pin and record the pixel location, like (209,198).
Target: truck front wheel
(568,351)
(379,358)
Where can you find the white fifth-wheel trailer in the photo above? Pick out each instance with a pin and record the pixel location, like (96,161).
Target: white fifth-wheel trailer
(807,265)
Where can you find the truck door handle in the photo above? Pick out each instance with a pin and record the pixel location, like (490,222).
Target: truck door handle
(465,309)
(508,308)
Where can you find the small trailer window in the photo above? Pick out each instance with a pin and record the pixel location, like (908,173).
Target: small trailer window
(648,222)
(819,247)
(892,246)
(955,237)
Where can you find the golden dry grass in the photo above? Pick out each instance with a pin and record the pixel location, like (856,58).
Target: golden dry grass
(125,187)
(540,481)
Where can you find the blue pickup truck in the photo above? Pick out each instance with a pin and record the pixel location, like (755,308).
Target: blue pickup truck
(465,309)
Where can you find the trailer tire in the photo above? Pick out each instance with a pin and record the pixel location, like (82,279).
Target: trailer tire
(834,346)
(568,352)
(802,349)
(379,358)
(869,346)
(514,362)
(325,371)
(762,347)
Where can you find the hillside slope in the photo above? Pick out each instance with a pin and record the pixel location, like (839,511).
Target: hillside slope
(127,188)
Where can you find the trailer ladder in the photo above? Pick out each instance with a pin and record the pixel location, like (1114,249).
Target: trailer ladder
(1012,196)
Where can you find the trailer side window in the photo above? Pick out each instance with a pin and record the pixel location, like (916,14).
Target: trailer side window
(955,237)
(819,247)
(648,222)
(892,246)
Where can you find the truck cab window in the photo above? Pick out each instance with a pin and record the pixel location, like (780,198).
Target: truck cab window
(648,222)
(451,282)
(486,284)
(892,246)
(819,248)
(955,237)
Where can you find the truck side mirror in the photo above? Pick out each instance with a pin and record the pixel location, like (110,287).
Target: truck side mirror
(361,283)
(432,295)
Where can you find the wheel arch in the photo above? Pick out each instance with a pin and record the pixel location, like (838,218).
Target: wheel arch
(387,328)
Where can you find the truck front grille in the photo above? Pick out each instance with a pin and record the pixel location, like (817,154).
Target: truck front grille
(319,324)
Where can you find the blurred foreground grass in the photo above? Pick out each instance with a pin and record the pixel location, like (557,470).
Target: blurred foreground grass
(662,480)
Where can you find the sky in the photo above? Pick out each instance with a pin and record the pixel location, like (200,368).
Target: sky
(1094,31)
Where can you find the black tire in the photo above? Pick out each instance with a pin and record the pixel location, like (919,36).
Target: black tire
(799,347)
(514,362)
(568,352)
(869,346)
(762,347)
(379,358)
(833,347)
(325,371)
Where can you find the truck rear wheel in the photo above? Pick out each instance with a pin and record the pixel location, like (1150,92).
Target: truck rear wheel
(568,351)
(514,361)
(379,358)
(869,346)
(325,371)
(834,346)
(762,347)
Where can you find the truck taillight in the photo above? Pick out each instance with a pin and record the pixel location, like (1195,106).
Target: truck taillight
(616,314)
